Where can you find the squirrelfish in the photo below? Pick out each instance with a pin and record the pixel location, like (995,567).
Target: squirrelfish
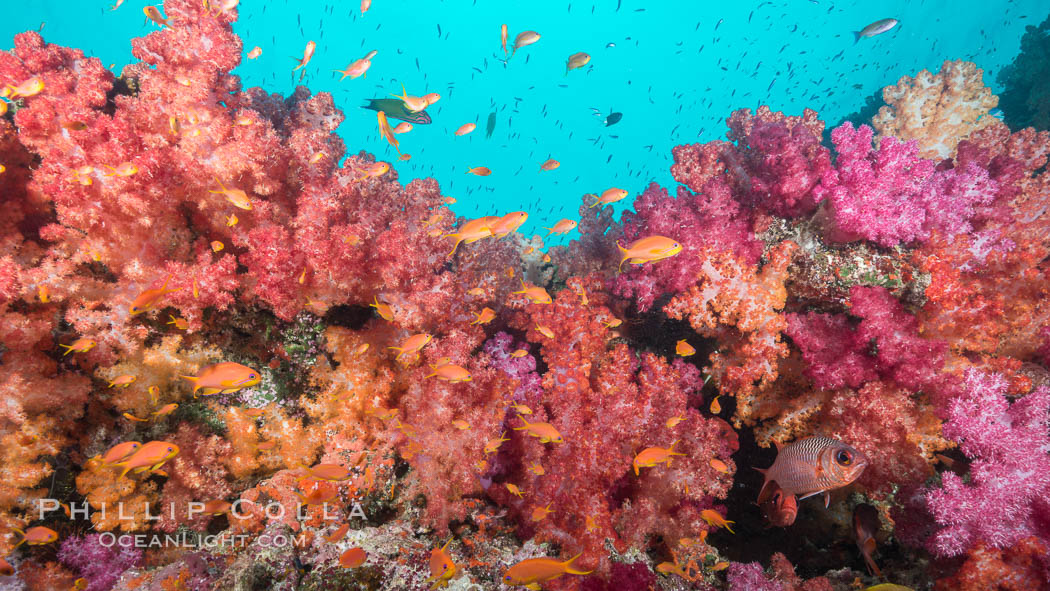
(81,345)
(535,294)
(780,508)
(442,568)
(148,458)
(576,60)
(609,196)
(651,456)
(524,38)
(235,196)
(811,466)
(531,572)
(562,227)
(865,526)
(544,431)
(223,378)
(36,535)
(648,250)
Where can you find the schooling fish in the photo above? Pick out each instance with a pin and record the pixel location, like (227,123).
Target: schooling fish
(529,573)
(876,28)
(812,466)
(490,125)
(396,109)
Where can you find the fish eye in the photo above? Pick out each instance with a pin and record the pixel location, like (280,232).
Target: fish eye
(170,449)
(843,457)
(251,376)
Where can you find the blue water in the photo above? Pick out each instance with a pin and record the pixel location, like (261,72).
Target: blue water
(676,71)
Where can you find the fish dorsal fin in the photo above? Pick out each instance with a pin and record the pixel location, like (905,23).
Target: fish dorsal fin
(779,445)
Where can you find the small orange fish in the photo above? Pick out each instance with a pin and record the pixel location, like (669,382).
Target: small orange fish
(404,157)
(338,534)
(461,424)
(217,246)
(524,38)
(317,157)
(719,465)
(414,104)
(562,227)
(122,381)
(543,330)
(386,132)
(540,513)
(521,409)
(365,5)
(720,565)
(361,348)
(131,417)
(544,431)
(506,224)
(74,125)
(442,568)
(715,406)
(255,52)
(529,573)
(165,410)
(119,452)
(235,196)
(217,507)
(448,200)
(431,98)
(317,495)
(503,38)
(451,373)
(537,469)
(550,164)
(384,310)
(359,67)
(36,536)
(485,316)
(811,466)
(411,346)
(466,128)
(535,294)
(179,323)
(576,60)
(865,526)
(493,444)
(353,558)
(30,87)
(609,196)
(519,353)
(472,231)
(153,14)
(44,294)
(715,518)
(6,570)
(403,127)
(651,456)
(81,345)
(374,170)
(224,378)
(326,472)
(480,171)
(684,349)
(613,323)
(514,490)
(648,250)
(124,169)
(148,458)
(145,301)
(307,54)
(673,421)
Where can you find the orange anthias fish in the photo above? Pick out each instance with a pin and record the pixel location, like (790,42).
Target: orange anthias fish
(166,410)
(715,518)
(508,223)
(544,431)
(550,164)
(6,570)
(648,250)
(255,52)
(149,298)
(811,466)
(479,171)
(235,196)
(403,127)
(216,507)
(865,526)
(609,196)
(780,509)
(651,456)
(535,294)
(81,345)
(376,169)
(529,573)
(326,472)
(148,458)
(36,535)
(337,534)
(485,316)
(503,38)
(492,445)
(411,346)
(30,87)
(684,349)
(123,381)
(124,169)
(472,231)
(451,373)
(524,38)
(119,452)
(359,67)
(386,132)
(223,378)
(466,128)
(153,14)
(562,227)
(384,310)
(414,104)
(442,568)
(576,60)
(318,494)
(353,558)
(307,54)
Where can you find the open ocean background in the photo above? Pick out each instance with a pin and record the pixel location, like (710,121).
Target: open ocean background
(675,69)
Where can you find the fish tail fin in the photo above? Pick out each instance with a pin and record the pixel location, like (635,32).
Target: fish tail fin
(68,349)
(872,567)
(572,571)
(856,37)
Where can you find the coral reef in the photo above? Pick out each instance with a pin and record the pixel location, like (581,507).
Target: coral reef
(502,403)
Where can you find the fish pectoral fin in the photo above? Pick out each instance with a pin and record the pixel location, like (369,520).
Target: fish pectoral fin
(812,494)
(827,499)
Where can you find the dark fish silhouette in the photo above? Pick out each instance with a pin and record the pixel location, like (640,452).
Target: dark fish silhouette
(395,109)
(490,125)
(613,118)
